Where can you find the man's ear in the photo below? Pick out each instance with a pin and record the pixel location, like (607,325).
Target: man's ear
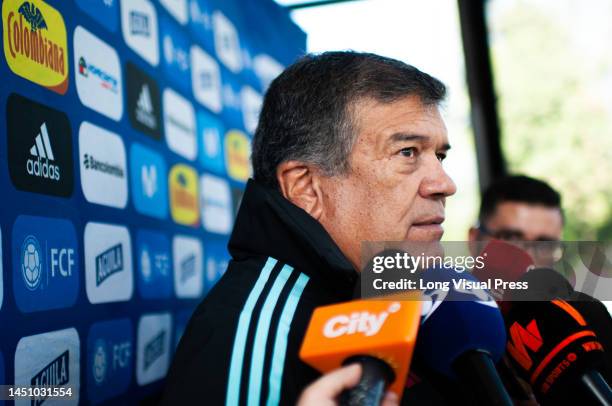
(299,183)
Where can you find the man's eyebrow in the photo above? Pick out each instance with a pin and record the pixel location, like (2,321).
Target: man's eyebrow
(408,137)
(399,137)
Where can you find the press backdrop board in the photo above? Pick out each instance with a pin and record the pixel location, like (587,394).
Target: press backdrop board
(124,151)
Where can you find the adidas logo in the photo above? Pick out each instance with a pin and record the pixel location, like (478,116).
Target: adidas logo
(41,165)
(144,108)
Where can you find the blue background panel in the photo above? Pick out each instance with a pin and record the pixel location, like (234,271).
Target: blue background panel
(114,346)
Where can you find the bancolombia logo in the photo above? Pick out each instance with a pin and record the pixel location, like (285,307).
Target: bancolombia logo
(103,166)
(35,43)
(39,147)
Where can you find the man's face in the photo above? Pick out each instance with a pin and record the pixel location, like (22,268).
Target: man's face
(524,222)
(396,187)
(530,226)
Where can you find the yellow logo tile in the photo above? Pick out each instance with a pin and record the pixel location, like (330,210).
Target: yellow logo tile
(35,43)
(184,208)
(237,155)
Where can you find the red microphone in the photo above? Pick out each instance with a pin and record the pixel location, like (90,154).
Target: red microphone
(504,261)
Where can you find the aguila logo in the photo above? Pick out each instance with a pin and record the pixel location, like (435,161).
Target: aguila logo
(35,44)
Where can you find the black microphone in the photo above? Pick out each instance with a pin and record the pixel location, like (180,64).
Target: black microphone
(555,349)
(548,284)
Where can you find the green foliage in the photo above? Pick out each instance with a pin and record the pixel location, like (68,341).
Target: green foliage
(555,124)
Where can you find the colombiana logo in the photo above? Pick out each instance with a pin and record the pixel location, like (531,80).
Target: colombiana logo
(35,44)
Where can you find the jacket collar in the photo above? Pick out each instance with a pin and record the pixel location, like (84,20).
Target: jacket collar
(268,224)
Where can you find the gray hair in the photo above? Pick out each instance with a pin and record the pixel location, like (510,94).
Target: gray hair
(307,114)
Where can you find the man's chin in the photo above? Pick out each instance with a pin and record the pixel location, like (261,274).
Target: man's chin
(429,232)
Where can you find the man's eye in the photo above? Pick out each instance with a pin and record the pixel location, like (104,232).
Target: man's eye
(408,152)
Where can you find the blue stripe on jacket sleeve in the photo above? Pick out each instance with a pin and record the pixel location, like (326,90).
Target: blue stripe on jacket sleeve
(235,372)
(280,342)
(261,336)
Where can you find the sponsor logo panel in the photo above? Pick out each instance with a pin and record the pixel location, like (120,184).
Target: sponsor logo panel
(103,166)
(188,257)
(175,52)
(154,265)
(183,184)
(45,263)
(216,204)
(149,181)
(144,102)
(104,12)
(206,79)
(179,124)
(49,359)
(108,263)
(35,43)
(153,356)
(201,22)
(232,100)
(178,9)
(251,107)
(140,31)
(110,354)
(98,74)
(216,261)
(210,140)
(227,42)
(39,147)
(237,155)
(266,69)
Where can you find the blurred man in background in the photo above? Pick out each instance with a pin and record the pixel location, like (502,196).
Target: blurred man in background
(528,212)
(523,210)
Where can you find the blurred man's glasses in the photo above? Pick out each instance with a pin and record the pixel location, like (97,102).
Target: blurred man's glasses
(544,250)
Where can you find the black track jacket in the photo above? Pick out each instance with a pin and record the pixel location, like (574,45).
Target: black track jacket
(242,343)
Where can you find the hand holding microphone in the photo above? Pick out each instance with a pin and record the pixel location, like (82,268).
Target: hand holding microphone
(378,334)
(326,390)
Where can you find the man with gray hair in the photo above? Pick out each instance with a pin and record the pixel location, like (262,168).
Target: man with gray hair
(349,148)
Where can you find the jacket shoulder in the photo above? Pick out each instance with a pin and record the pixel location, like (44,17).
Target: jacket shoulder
(242,342)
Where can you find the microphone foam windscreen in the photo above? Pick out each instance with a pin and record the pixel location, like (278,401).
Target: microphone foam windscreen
(551,342)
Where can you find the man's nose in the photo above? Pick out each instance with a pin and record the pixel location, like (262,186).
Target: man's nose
(436,182)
